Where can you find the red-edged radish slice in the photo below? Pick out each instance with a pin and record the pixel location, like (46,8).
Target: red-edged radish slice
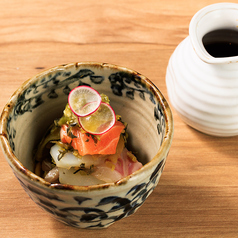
(100,121)
(84,100)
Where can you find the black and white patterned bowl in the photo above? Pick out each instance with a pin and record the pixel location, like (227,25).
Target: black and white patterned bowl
(41,99)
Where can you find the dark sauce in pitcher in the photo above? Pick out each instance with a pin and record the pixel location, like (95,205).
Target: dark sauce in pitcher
(221,43)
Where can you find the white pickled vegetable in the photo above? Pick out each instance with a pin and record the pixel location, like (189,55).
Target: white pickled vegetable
(74,177)
(69,160)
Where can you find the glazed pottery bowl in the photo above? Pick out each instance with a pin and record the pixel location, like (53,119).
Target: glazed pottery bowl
(41,99)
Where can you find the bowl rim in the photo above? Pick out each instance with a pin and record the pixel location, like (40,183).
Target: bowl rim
(18,167)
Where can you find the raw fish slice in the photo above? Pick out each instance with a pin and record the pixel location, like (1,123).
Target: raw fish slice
(124,167)
(86,144)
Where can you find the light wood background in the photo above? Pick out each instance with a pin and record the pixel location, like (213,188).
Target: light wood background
(198,193)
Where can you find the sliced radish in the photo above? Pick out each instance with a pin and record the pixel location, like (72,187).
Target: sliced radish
(84,100)
(99,122)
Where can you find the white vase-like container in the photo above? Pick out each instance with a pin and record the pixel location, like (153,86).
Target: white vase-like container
(203,89)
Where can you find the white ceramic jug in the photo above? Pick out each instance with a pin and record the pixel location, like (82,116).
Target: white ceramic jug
(203,87)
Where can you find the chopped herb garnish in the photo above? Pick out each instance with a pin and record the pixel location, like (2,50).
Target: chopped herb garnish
(69,130)
(66,147)
(71,135)
(70,126)
(87,171)
(94,137)
(61,154)
(68,117)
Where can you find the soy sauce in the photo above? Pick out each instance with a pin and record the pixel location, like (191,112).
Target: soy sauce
(221,43)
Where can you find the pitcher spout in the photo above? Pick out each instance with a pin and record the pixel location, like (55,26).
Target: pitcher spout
(216,24)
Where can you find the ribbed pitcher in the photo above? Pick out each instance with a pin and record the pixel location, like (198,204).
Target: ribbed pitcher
(202,73)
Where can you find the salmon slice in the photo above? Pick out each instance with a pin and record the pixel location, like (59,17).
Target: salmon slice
(86,143)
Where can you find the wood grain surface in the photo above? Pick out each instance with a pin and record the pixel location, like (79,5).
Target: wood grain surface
(197,195)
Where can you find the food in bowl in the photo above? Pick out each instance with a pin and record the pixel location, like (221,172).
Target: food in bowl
(41,99)
(87,145)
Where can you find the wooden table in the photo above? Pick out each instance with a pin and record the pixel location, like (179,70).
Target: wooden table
(198,193)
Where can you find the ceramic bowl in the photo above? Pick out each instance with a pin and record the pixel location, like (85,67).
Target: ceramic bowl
(41,99)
